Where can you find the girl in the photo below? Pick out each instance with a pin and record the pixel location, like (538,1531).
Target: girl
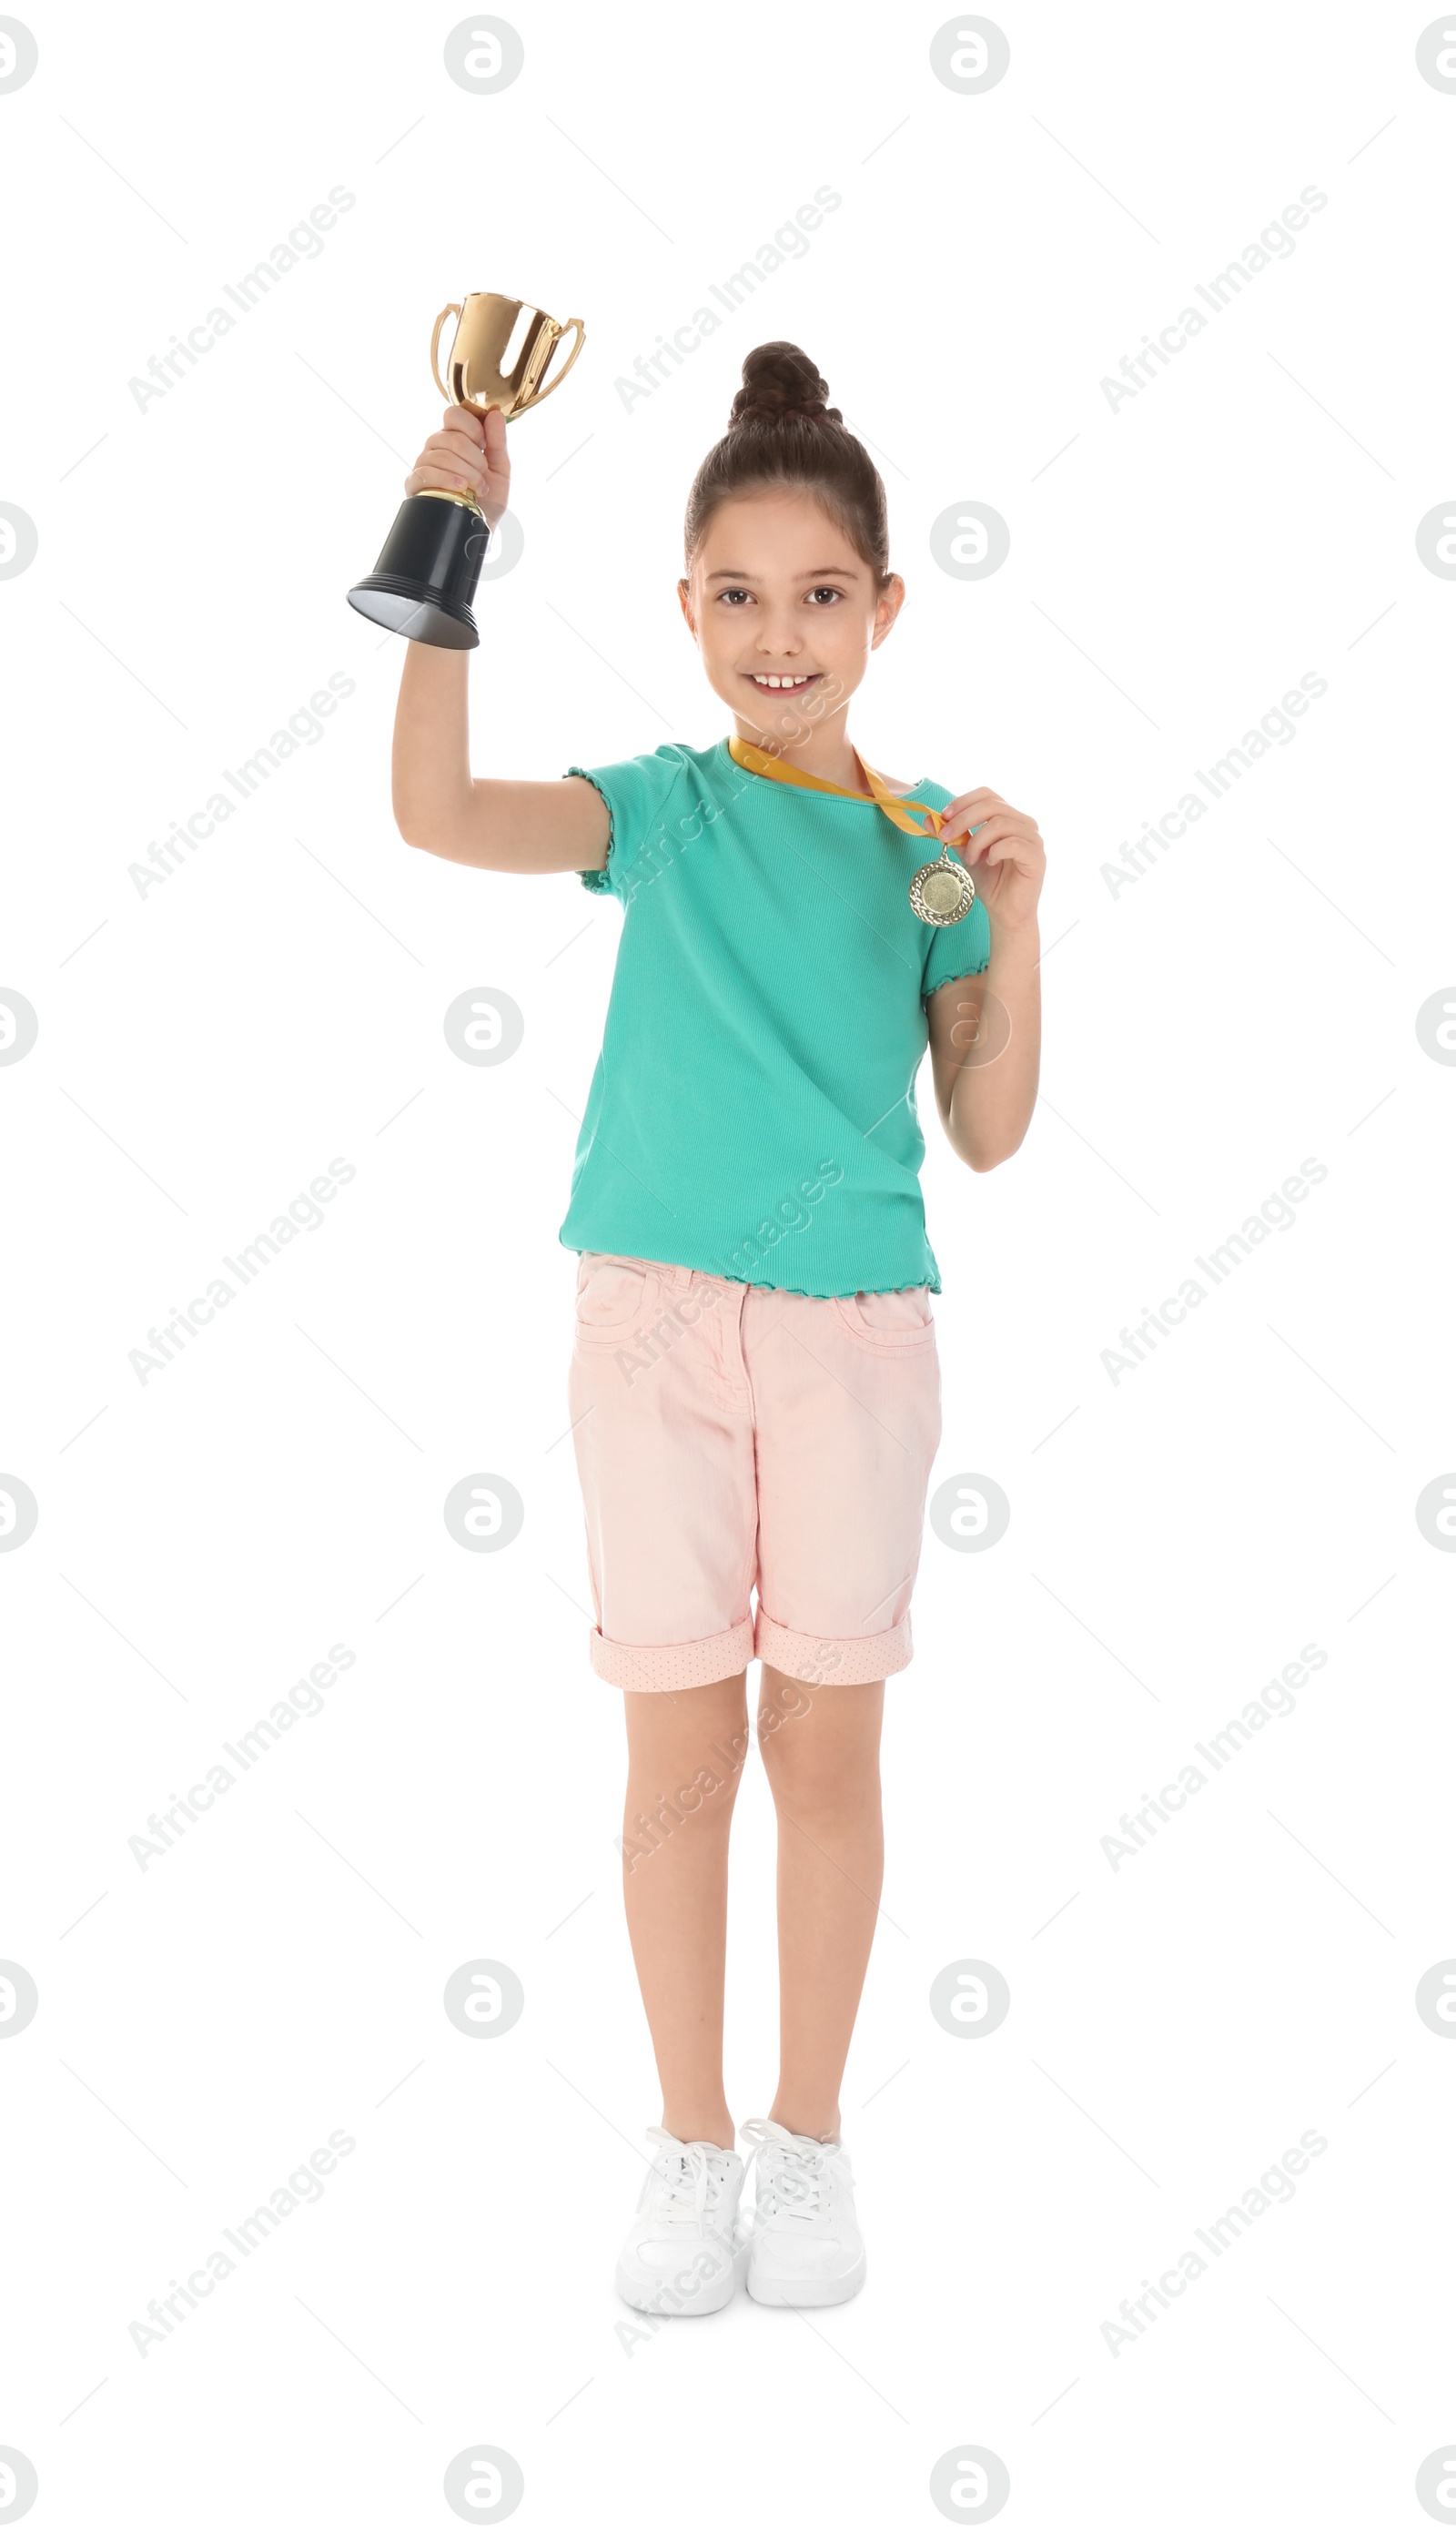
(754,1387)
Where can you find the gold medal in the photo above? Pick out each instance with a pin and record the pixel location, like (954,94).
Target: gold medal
(942,892)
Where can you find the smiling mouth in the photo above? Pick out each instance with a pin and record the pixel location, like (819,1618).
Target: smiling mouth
(781,684)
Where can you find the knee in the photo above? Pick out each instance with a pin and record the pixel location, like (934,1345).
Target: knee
(696,1788)
(688,1742)
(820,1747)
(819,1780)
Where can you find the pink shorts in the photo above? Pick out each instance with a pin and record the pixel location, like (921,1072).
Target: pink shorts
(731,1439)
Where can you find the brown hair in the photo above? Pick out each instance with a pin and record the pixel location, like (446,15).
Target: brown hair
(781,431)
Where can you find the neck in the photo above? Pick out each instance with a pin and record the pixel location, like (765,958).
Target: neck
(822,749)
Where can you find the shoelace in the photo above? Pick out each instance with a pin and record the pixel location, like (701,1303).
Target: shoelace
(684,2175)
(791,2173)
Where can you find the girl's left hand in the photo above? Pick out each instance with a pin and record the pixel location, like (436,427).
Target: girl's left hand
(1005,856)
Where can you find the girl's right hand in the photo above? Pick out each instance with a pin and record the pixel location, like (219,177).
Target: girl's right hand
(466,457)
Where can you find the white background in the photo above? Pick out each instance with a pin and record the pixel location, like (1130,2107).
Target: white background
(204,1051)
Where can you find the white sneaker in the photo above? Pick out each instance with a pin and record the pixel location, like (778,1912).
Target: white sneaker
(680,2253)
(806,2246)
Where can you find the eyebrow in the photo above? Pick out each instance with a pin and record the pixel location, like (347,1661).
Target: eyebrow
(811,573)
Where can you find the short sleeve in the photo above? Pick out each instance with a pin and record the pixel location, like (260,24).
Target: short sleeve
(635,792)
(955,951)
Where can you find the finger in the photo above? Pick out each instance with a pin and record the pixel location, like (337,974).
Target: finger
(459,443)
(981,796)
(452,462)
(1001,857)
(1001,851)
(465,419)
(1002,826)
(980,817)
(443,481)
(991,825)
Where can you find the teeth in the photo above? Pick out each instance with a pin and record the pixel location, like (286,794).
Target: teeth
(769,680)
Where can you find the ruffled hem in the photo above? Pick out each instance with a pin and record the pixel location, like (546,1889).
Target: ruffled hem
(599,879)
(973,971)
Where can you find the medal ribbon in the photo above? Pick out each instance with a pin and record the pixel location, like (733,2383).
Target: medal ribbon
(896,808)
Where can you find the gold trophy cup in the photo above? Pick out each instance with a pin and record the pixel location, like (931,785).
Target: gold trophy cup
(425,579)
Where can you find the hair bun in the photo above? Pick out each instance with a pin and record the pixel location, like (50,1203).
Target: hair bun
(780,382)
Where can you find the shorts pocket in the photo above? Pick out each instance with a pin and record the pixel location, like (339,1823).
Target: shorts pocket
(614,1294)
(889,1319)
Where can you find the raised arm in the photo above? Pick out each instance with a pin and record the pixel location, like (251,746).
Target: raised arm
(507,824)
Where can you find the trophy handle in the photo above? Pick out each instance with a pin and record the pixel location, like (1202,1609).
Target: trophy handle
(565,329)
(450,309)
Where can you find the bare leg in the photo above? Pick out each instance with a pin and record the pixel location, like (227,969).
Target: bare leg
(823,1763)
(684,1754)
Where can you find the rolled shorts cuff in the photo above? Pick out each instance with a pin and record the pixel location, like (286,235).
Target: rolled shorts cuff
(670,1667)
(817,1659)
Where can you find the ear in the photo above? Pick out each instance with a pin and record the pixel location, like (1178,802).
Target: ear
(887,609)
(684,603)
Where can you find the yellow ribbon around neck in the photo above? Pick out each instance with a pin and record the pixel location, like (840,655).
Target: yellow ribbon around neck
(896,807)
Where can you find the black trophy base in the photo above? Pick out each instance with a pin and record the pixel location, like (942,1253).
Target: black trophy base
(406,607)
(428,568)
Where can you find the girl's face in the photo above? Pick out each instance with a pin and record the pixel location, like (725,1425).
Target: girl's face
(785,613)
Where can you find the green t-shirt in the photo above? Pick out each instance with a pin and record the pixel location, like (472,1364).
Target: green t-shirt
(752,1112)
